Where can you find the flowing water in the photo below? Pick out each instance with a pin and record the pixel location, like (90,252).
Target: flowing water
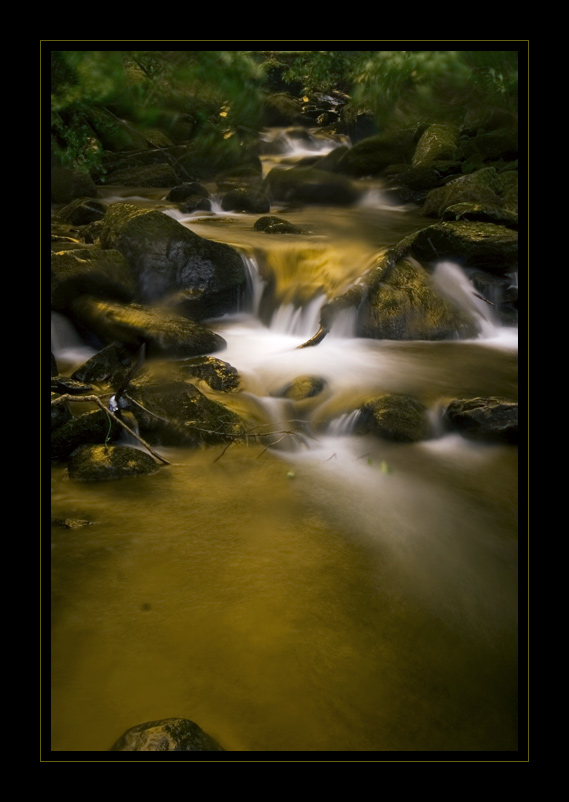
(331,592)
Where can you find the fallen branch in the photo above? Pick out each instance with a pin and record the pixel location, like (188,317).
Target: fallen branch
(94,399)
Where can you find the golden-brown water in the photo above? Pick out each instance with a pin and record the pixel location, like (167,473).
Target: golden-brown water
(334,594)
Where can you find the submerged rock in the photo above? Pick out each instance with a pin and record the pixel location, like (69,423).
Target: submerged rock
(493,419)
(302,387)
(166,735)
(100,463)
(394,417)
(166,257)
(276,225)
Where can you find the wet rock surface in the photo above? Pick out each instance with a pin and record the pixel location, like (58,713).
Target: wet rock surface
(166,735)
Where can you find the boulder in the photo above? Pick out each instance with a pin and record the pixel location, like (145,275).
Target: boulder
(309,185)
(403,303)
(109,365)
(195,203)
(167,735)
(396,417)
(82,211)
(91,428)
(438,141)
(478,213)
(68,184)
(219,375)
(482,187)
(176,413)
(276,225)
(163,332)
(281,109)
(167,257)
(89,271)
(485,246)
(100,463)
(180,192)
(371,156)
(491,419)
(153,175)
(245,200)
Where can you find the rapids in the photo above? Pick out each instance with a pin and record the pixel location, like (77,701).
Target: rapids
(311,591)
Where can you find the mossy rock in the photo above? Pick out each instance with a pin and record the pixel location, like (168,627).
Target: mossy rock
(485,246)
(476,212)
(177,413)
(396,417)
(438,141)
(301,388)
(271,224)
(68,184)
(163,332)
(245,200)
(167,257)
(166,735)
(103,463)
(82,211)
(153,175)
(219,375)
(180,192)
(371,156)
(281,109)
(482,187)
(422,177)
(88,428)
(491,419)
(308,185)
(90,271)
(195,203)
(403,303)
(108,365)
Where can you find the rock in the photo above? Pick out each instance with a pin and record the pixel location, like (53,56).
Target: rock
(302,387)
(424,177)
(109,365)
(65,385)
(82,211)
(482,187)
(219,375)
(153,175)
(492,419)
(70,523)
(394,417)
(281,109)
(167,257)
(115,134)
(89,428)
(176,413)
(179,193)
(195,203)
(485,246)
(163,332)
(245,200)
(403,303)
(100,463)
(68,184)
(167,735)
(438,141)
(92,271)
(308,185)
(371,156)
(476,212)
(498,144)
(60,414)
(276,225)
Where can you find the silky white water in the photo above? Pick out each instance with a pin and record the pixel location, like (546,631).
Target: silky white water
(331,593)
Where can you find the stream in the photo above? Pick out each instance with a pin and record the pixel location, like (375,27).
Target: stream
(332,592)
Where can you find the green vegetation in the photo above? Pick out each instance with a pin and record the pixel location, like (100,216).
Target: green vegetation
(128,100)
